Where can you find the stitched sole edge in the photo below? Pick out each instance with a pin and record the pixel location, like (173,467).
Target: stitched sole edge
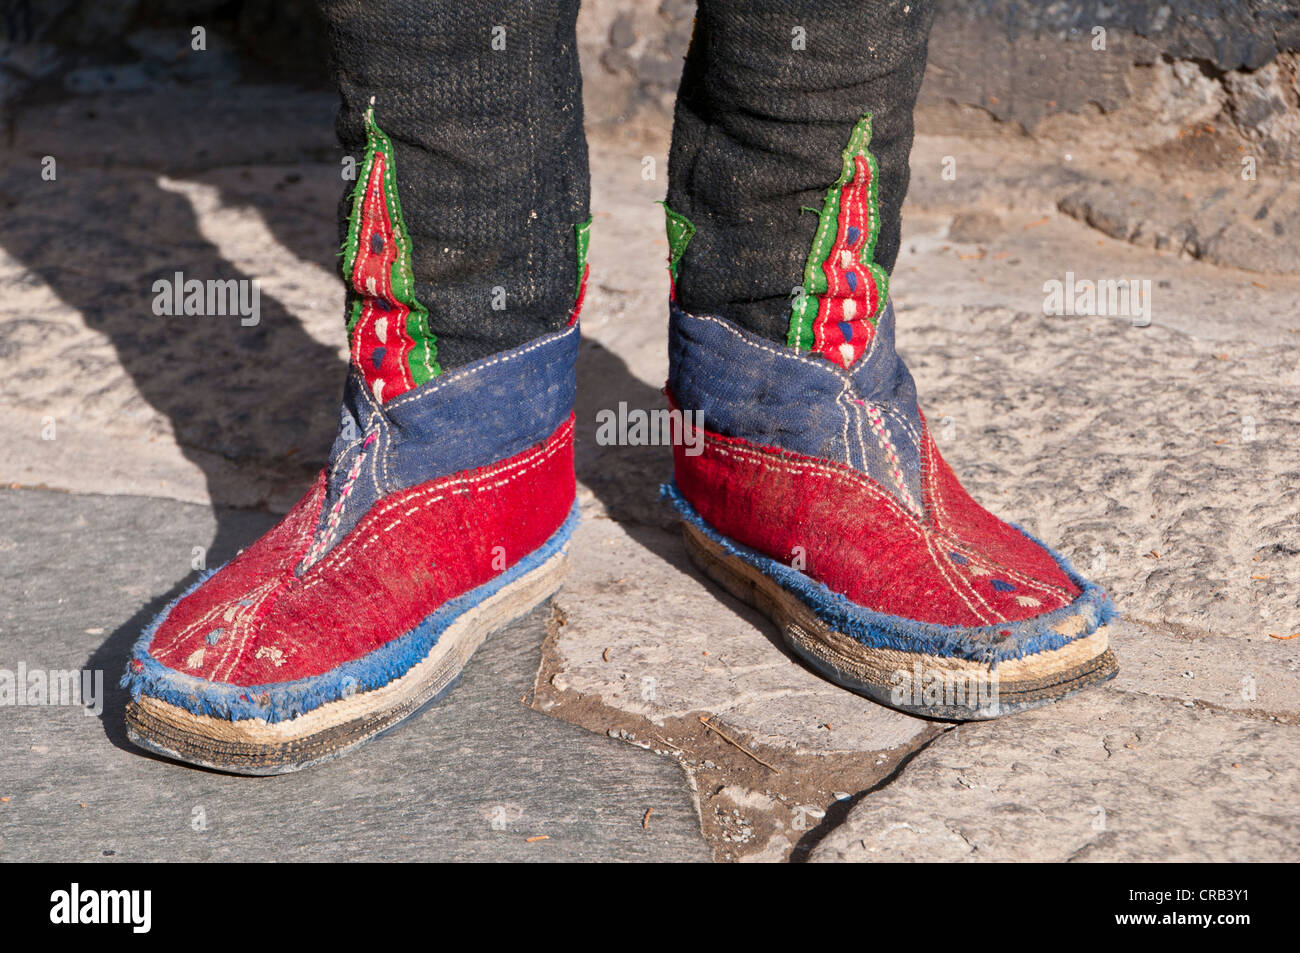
(969,691)
(252,746)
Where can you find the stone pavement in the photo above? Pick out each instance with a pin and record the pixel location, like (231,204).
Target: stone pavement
(1163,459)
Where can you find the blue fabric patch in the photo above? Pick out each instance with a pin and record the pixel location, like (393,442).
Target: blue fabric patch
(984,643)
(1002,586)
(769,394)
(467,417)
(279,701)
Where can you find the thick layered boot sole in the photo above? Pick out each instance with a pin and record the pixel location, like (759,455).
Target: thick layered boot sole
(931,686)
(257,747)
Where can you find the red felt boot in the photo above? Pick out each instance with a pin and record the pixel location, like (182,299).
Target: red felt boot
(820,497)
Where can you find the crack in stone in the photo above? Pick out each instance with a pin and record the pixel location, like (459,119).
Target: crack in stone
(1200,704)
(726,785)
(839,812)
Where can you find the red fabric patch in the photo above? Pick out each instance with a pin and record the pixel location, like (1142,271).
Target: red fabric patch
(381,343)
(844,325)
(582,296)
(959,566)
(410,554)
(974,531)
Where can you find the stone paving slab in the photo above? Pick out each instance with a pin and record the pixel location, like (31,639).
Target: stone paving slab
(648,648)
(646,632)
(1258,678)
(1110,775)
(470,779)
(1189,754)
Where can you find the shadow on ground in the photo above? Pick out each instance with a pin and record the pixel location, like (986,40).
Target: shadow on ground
(263,395)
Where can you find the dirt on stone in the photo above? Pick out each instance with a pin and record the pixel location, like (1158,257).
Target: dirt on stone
(755,801)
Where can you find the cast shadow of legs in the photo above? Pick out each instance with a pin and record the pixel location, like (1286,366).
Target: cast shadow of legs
(237,397)
(626,479)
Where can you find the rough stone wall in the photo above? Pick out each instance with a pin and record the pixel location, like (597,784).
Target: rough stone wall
(1164,66)
(1019,59)
(1165,69)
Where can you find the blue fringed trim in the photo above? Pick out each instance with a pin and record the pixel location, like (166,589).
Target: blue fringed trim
(280,701)
(878,630)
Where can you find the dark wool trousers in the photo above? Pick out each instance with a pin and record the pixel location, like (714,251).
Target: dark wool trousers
(482,101)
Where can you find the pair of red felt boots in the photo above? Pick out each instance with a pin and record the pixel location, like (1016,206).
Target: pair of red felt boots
(448,502)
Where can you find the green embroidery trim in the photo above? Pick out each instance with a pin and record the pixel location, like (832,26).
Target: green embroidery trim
(583,233)
(422,359)
(803,312)
(353,239)
(680,232)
